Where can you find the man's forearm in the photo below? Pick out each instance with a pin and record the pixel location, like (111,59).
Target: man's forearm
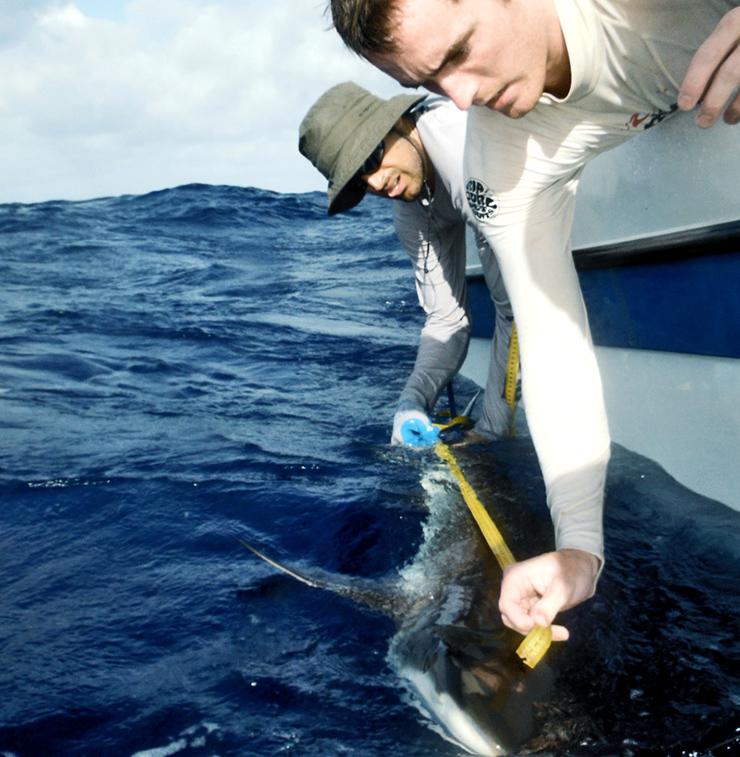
(576,502)
(437,362)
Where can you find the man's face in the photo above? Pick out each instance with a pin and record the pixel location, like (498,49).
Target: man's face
(493,53)
(400,175)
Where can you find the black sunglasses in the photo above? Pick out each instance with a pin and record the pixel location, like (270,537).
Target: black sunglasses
(372,162)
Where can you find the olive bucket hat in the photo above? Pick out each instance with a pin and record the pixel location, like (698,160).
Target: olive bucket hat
(341,130)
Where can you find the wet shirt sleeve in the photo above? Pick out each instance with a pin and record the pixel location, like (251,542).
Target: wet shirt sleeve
(437,253)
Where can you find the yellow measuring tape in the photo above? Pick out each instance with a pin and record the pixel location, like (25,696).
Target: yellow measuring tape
(538,640)
(512,369)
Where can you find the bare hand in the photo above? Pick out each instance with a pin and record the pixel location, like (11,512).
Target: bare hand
(714,74)
(534,591)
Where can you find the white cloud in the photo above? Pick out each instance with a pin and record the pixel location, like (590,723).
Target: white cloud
(161,93)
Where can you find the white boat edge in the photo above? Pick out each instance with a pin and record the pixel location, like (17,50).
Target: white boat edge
(682,411)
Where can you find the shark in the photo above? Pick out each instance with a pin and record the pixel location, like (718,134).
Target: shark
(450,649)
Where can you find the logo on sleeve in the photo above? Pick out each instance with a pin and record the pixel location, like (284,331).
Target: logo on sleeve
(481,200)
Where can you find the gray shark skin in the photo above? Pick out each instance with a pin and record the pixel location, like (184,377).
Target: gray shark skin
(450,647)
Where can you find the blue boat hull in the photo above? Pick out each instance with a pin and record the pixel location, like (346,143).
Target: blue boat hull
(652,296)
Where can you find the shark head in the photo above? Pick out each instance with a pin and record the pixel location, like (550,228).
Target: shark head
(451,646)
(472,684)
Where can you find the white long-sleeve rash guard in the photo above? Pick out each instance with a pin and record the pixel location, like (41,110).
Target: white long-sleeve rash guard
(627,59)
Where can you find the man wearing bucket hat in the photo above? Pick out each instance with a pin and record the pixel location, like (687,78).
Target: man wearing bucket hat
(409,148)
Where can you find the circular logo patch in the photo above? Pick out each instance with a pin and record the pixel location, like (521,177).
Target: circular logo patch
(481,201)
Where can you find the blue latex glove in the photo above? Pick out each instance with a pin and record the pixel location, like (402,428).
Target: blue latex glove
(418,433)
(412,428)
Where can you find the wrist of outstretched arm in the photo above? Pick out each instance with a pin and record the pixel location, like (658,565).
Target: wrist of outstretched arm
(412,400)
(576,502)
(592,566)
(436,363)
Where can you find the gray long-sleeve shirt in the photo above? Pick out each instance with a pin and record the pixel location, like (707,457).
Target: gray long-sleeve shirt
(433,235)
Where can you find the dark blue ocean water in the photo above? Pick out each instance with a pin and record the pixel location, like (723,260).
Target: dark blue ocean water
(186,368)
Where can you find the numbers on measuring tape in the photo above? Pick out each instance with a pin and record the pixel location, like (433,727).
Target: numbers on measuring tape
(535,644)
(512,369)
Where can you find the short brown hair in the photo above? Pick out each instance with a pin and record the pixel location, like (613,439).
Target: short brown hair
(364,25)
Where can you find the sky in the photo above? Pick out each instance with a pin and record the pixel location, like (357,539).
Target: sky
(109,97)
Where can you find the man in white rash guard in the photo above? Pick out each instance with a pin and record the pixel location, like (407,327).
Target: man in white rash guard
(556,82)
(410,148)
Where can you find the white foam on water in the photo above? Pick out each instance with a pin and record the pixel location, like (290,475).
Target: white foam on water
(187,740)
(164,751)
(438,498)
